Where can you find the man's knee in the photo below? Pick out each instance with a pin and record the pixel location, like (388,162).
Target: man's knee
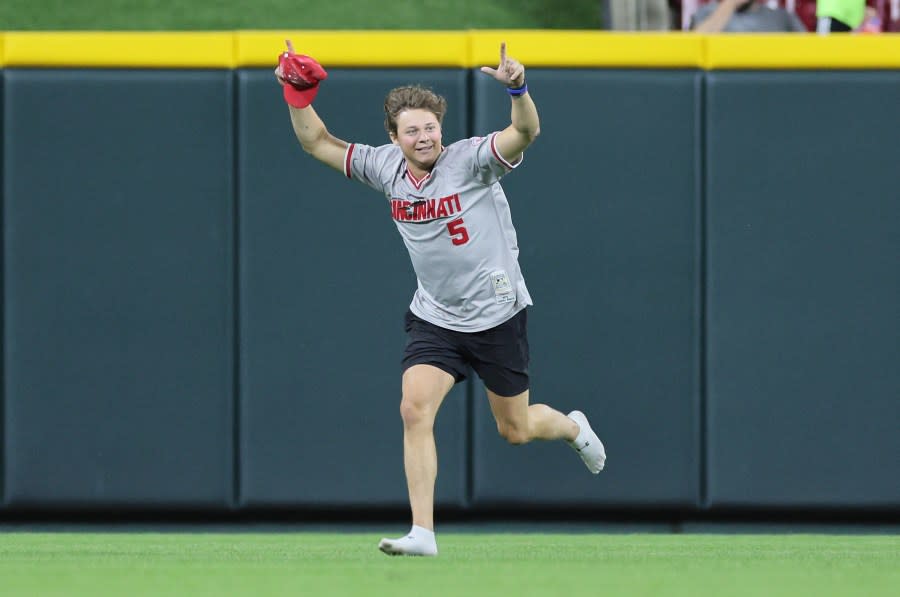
(416,410)
(514,434)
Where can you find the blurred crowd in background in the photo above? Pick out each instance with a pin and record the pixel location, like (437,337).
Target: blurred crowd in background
(713,16)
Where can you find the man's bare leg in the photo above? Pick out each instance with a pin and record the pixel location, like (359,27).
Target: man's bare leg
(519,423)
(424,389)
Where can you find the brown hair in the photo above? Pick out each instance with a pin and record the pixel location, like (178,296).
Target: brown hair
(411,97)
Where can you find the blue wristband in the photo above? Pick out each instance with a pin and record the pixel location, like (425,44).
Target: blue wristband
(517,91)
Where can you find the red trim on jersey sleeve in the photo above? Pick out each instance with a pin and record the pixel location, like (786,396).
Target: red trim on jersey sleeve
(499,157)
(347,160)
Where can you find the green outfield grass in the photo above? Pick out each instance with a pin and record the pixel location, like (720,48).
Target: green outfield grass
(515,565)
(297,14)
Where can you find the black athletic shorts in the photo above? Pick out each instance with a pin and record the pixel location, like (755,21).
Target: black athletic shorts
(498,355)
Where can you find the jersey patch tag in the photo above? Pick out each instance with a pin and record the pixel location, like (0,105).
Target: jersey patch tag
(503,290)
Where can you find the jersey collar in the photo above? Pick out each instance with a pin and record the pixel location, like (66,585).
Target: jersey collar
(420,182)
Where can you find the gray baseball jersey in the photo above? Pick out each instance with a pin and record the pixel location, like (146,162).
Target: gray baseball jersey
(457,228)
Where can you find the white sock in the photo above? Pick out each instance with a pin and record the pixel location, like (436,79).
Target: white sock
(418,542)
(580,439)
(421,533)
(587,444)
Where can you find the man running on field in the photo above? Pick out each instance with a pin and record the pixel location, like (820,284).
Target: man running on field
(470,305)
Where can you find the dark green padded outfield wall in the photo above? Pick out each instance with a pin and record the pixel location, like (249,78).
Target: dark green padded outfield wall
(199,317)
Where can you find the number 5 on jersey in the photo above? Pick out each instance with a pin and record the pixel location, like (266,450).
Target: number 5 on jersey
(458,233)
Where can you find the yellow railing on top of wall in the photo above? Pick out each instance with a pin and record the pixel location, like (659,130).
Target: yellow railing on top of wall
(461,49)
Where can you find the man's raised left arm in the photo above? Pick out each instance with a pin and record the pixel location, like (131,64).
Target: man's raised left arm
(524,122)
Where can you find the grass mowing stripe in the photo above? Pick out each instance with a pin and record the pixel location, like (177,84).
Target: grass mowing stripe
(133,564)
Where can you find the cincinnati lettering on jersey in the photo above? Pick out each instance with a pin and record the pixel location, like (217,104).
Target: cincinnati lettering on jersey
(426,209)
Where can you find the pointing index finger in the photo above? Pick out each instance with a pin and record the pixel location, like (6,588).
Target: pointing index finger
(502,52)
(290,46)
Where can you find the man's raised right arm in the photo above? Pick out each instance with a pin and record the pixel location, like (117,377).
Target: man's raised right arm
(315,138)
(299,76)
